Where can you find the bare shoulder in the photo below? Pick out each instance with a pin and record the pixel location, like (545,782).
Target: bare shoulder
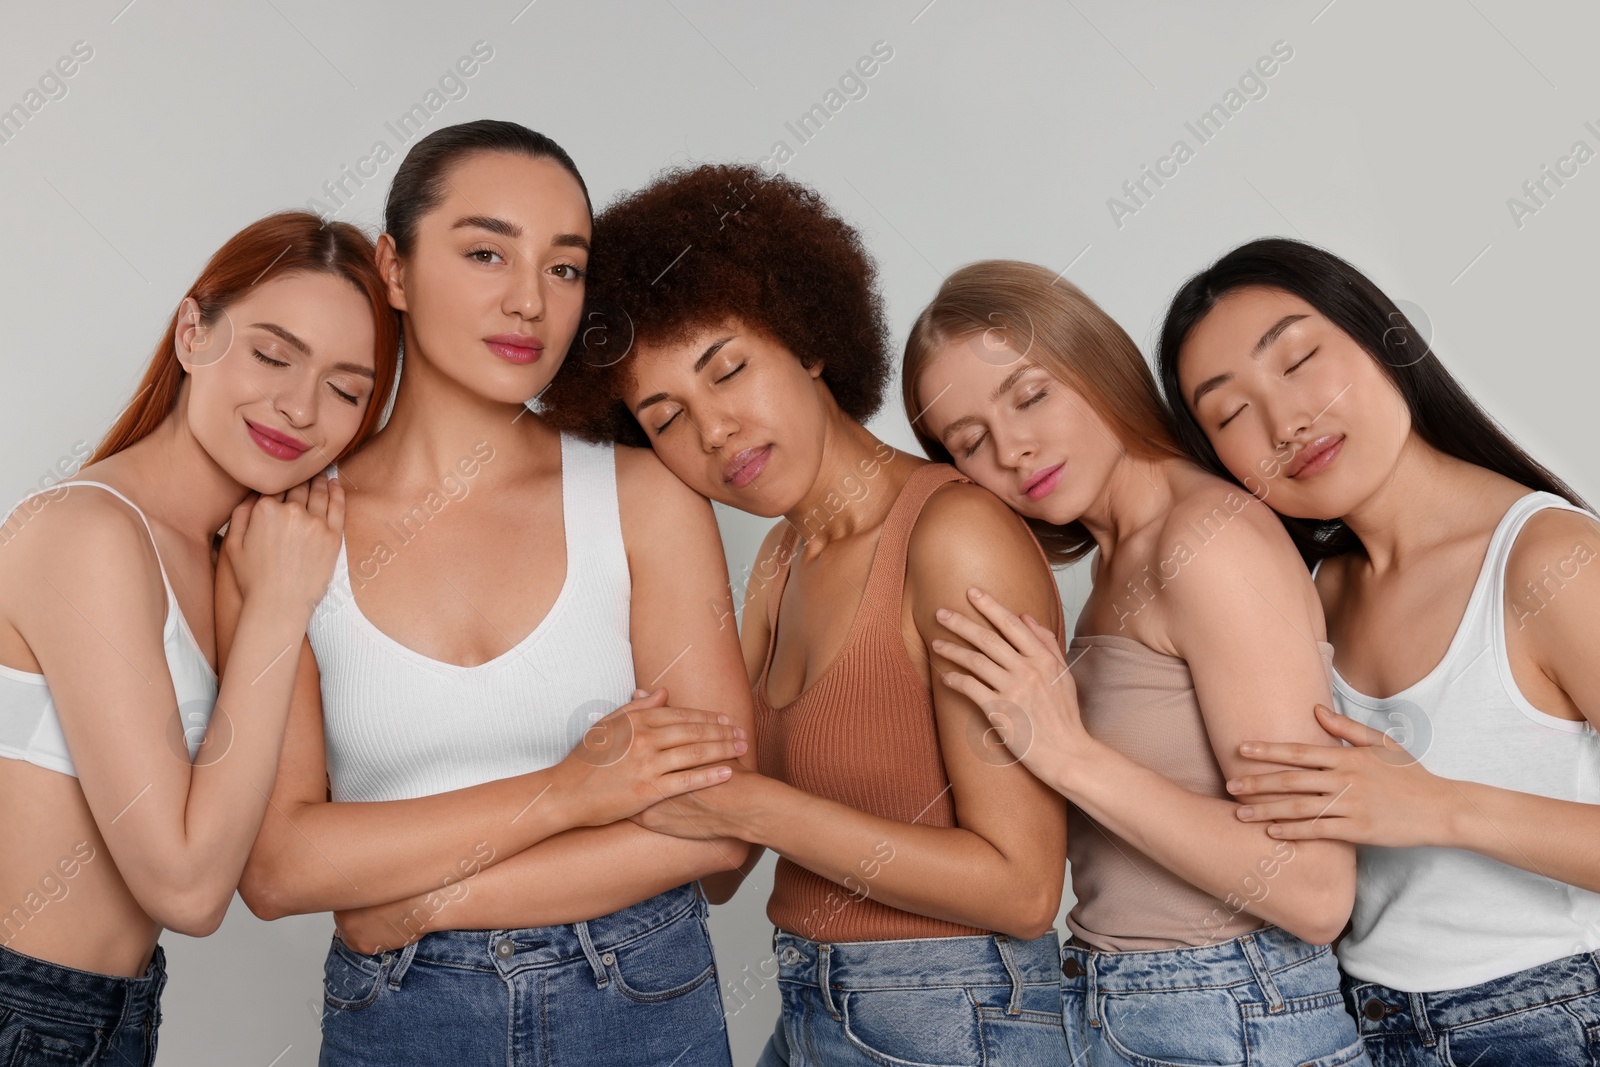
(1219,530)
(649,493)
(1556,540)
(86,537)
(963,523)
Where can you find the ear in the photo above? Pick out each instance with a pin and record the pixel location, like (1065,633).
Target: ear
(393,272)
(190,337)
(815,370)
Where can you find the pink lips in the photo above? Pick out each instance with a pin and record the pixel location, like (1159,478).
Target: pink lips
(519,348)
(746,466)
(275,444)
(1043,482)
(1316,457)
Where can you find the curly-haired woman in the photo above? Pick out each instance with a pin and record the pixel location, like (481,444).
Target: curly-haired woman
(735,327)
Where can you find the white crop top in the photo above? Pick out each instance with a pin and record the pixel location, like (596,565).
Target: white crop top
(1430,918)
(30,728)
(398,724)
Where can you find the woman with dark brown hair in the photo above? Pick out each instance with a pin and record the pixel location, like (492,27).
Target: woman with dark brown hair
(1196,938)
(736,329)
(122,817)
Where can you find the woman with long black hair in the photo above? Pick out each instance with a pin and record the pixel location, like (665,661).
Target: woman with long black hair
(1454,572)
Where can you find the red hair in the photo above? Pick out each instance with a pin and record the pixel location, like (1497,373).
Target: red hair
(290,242)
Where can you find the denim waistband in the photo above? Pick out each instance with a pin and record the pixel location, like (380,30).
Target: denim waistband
(1246,958)
(512,951)
(1380,1009)
(39,987)
(917,963)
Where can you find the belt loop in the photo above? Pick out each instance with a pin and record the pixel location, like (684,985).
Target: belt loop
(398,971)
(601,978)
(1419,1019)
(1002,943)
(1258,967)
(1092,993)
(824,957)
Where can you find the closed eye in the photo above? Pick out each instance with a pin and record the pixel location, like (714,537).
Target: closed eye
(267,361)
(1300,361)
(1034,399)
(1230,418)
(734,371)
(968,452)
(342,395)
(669,421)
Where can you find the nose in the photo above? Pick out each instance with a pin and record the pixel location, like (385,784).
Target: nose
(296,401)
(1010,446)
(715,428)
(525,290)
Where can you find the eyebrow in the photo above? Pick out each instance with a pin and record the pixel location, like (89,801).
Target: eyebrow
(304,349)
(509,229)
(699,365)
(1274,332)
(1005,383)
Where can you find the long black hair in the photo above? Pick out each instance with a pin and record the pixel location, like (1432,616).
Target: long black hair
(1442,413)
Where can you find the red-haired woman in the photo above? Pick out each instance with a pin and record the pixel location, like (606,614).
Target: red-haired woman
(122,818)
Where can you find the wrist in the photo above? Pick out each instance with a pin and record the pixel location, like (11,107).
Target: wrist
(1070,771)
(1453,815)
(748,816)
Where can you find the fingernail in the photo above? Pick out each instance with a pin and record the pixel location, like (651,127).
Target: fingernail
(1275,830)
(738,731)
(937,644)
(1233,786)
(723,720)
(740,747)
(942,614)
(975,593)
(724,772)
(1246,811)
(1249,748)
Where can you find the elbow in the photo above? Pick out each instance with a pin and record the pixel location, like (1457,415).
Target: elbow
(264,893)
(1034,917)
(1327,907)
(192,912)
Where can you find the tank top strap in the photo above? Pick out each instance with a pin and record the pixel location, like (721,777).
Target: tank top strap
(591,514)
(887,578)
(1491,586)
(137,510)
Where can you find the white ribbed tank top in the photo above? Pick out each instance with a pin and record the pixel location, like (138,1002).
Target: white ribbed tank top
(399,724)
(30,726)
(1428,918)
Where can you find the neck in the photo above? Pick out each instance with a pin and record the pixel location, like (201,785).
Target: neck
(173,479)
(1137,493)
(1426,499)
(835,507)
(437,422)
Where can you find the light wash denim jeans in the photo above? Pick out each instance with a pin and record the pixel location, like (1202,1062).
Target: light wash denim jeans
(1263,999)
(989,1000)
(50,1014)
(1547,1015)
(636,988)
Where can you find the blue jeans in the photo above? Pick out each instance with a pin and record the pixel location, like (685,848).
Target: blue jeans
(1547,1015)
(636,988)
(1263,998)
(931,1001)
(56,1015)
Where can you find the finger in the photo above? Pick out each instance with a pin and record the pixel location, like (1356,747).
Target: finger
(702,754)
(1313,830)
(976,663)
(978,636)
(1323,757)
(239,521)
(696,778)
(689,733)
(1001,617)
(297,494)
(1046,638)
(658,718)
(1291,808)
(317,496)
(335,505)
(1282,782)
(969,687)
(1347,729)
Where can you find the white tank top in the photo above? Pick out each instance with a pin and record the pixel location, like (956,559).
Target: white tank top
(399,724)
(30,728)
(1428,919)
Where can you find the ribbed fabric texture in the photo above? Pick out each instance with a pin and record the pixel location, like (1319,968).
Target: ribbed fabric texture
(399,724)
(862,734)
(1142,703)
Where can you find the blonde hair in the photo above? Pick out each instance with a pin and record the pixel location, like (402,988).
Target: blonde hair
(1054,323)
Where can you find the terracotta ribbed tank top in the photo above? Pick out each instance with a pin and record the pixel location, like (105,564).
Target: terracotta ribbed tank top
(1142,703)
(863,734)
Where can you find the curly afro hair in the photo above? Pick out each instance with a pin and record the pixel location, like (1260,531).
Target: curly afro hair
(698,246)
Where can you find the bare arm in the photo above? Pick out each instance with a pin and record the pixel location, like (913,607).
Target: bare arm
(178,831)
(1001,866)
(1238,603)
(1377,793)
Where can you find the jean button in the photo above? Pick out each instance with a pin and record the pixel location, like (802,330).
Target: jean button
(1072,968)
(1374,1009)
(791,955)
(505,948)
(608,958)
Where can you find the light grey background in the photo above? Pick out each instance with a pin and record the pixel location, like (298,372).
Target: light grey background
(1395,135)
